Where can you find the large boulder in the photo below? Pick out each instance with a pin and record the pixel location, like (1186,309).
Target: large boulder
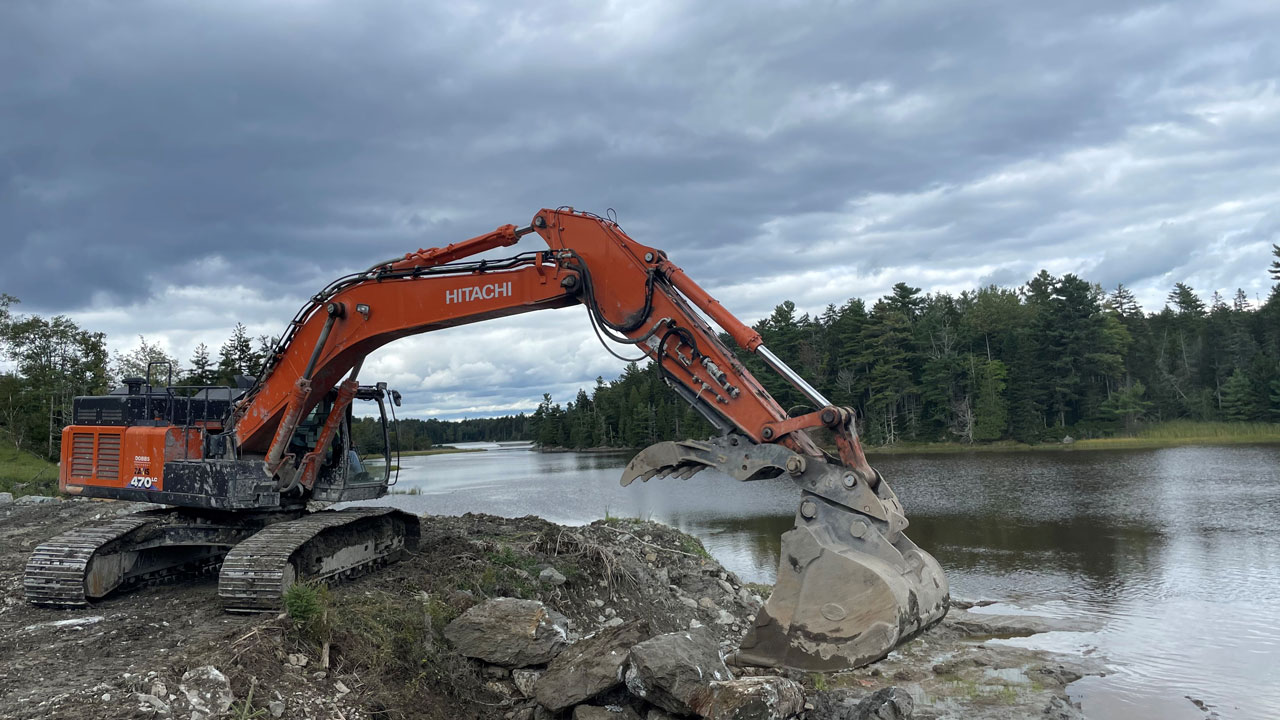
(671,670)
(589,667)
(207,690)
(6,498)
(509,632)
(751,698)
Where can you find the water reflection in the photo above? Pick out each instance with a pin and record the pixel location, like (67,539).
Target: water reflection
(1173,551)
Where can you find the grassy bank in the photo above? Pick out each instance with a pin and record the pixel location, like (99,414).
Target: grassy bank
(22,473)
(1170,434)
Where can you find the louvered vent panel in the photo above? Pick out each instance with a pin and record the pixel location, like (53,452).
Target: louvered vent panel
(112,416)
(82,455)
(108,456)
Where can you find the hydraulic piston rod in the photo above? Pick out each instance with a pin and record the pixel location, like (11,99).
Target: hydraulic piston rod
(785,371)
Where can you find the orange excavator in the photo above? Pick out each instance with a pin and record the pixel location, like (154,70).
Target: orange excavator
(238,466)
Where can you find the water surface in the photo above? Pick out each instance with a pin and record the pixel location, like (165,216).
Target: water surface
(1174,552)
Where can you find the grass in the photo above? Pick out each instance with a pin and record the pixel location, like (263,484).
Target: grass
(23,473)
(309,605)
(1174,433)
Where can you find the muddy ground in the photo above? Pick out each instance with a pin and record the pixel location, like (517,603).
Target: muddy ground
(382,635)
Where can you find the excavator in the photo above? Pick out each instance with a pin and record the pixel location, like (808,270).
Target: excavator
(240,475)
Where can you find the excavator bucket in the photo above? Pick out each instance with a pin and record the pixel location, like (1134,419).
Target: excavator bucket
(851,586)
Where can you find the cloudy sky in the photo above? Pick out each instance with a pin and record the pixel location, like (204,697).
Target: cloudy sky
(168,169)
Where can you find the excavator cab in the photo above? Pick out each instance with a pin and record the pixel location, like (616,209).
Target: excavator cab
(343,475)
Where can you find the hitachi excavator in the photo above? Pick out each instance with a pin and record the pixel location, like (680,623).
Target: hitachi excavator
(237,466)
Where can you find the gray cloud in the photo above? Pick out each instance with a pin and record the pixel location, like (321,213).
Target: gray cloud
(169,169)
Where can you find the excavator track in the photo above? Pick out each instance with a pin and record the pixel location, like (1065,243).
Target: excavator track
(146,548)
(328,547)
(57,571)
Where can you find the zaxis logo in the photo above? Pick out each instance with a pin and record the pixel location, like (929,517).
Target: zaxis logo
(145,482)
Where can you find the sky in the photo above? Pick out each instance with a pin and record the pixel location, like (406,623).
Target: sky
(170,169)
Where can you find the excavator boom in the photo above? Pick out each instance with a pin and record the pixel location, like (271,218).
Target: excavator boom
(851,586)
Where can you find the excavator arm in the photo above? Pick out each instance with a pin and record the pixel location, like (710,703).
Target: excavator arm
(851,586)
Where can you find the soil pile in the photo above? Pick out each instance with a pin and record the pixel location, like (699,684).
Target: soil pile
(379,647)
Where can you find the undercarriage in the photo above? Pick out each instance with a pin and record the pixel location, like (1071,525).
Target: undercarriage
(258,556)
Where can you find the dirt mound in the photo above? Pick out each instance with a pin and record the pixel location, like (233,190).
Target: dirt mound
(375,648)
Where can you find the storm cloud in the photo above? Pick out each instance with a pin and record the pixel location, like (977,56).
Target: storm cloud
(169,169)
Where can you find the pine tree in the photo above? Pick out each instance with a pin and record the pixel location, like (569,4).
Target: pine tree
(1275,264)
(1237,397)
(236,357)
(202,371)
(1186,301)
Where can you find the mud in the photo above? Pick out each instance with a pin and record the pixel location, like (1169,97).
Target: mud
(376,648)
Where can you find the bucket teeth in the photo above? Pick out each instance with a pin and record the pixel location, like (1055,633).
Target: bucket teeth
(851,586)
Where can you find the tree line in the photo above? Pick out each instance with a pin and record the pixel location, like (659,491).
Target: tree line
(1057,356)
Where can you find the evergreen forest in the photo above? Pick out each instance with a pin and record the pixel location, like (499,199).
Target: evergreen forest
(1057,357)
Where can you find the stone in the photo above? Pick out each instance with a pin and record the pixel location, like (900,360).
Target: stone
(725,586)
(276,708)
(509,632)
(159,689)
(689,602)
(656,714)
(298,660)
(706,603)
(341,687)
(6,498)
(670,670)
(34,500)
(751,698)
(607,712)
(725,618)
(151,703)
(889,703)
(207,690)
(551,576)
(527,680)
(613,622)
(589,667)
(1063,709)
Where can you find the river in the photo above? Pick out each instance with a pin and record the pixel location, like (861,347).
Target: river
(1173,553)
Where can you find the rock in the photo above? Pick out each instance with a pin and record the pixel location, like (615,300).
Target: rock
(689,602)
(341,687)
(588,668)
(670,670)
(751,698)
(151,703)
(613,622)
(656,714)
(276,708)
(552,577)
(725,586)
(208,691)
(891,703)
(1061,709)
(298,660)
(6,498)
(495,672)
(725,618)
(706,603)
(510,632)
(159,689)
(34,500)
(527,680)
(608,712)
